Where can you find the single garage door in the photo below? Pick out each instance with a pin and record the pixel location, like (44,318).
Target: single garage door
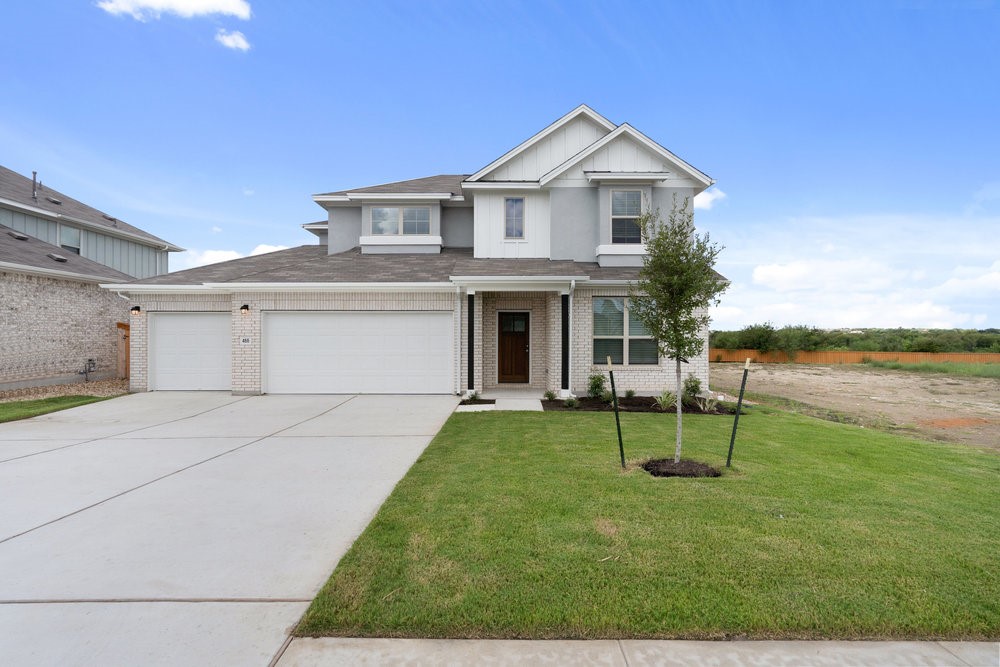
(353,352)
(190,351)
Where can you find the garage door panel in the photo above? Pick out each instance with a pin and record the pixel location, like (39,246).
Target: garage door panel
(190,351)
(358,352)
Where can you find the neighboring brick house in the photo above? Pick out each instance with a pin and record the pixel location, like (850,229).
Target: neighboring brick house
(515,276)
(54,252)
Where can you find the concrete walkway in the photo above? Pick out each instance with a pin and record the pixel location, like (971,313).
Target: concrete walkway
(637,653)
(177,528)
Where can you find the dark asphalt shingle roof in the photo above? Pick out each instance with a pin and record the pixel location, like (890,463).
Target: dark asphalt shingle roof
(312,264)
(33,253)
(441,183)
(17,188)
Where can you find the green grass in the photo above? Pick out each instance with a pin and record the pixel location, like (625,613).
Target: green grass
(25,409)
(945,367)
(523,525)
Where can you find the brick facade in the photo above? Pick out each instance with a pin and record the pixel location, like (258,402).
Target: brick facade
(50,327)
(643,379)
(544,308)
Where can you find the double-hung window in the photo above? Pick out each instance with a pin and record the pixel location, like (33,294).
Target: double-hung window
(410,220)
(513,218)
(69,239)
(626,207)
(619,335)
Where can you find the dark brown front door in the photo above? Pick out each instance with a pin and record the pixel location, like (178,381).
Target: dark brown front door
(512,351)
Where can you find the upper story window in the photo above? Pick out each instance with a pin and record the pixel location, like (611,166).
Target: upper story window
(69,239)
(401,220)
(513,218)
(619,335)
(626,207)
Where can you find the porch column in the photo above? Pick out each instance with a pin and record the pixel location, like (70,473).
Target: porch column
(565,343)
(471,361)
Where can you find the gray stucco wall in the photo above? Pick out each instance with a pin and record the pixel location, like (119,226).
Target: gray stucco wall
(457,227)
(574,223)
(49,328)
(663,199)
(343,229)
(135,259)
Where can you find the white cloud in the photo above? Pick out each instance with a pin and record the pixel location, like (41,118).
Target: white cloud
(248,192)
(233,39)
(265,248)
(216,229)
(144,10)
(861,271)
(192,258)
(706,199)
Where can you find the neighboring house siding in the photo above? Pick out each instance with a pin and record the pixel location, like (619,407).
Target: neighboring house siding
(457,227)
(135,259)
(489,226)
(343,229)
(550,152)
(575,222)
(50,327)
(643,379)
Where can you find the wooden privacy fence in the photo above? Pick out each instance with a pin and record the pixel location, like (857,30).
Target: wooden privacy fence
(850,357)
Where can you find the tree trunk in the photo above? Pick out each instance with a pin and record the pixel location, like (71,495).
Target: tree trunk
(680,396)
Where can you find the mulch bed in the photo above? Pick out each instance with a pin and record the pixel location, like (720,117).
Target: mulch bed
(634,404)
(667,468)
(478,401)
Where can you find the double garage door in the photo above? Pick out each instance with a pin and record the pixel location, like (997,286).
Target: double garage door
(310,353)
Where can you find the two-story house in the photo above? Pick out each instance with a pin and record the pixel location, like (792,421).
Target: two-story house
(513,276)
(54,252)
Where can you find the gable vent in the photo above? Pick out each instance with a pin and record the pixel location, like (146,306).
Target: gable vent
(54,201)
(58,258)
(18,235)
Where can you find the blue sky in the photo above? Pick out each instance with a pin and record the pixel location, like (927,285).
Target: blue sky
(855,145)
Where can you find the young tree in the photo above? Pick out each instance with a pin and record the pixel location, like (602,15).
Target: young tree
(676,286)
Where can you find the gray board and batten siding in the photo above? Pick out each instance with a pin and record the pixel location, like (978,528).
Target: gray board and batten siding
(134,259)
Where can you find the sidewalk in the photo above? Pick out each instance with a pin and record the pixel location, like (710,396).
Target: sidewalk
(635,653)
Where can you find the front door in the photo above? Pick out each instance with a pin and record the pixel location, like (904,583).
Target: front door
(512,350)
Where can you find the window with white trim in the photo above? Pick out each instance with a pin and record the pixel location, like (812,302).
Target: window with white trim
(619,335)
(626,207)
(513,218)
(408,220)
(69,239)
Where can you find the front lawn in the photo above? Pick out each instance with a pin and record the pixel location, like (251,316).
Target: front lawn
(522,525)
(40,406)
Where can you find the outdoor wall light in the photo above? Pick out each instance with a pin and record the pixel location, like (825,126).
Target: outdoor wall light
(245,309)
(136,310)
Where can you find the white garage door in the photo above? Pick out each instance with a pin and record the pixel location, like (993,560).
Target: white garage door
(190,351)
(351,352)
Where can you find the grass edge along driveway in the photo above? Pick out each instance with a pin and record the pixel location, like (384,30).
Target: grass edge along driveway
(522,525)
(14,410)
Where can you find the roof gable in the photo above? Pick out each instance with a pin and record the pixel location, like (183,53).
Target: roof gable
(553,145)
(626,149)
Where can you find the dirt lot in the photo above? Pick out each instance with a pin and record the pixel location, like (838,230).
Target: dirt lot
(931,406)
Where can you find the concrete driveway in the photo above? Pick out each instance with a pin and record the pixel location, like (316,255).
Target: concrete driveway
(188,528)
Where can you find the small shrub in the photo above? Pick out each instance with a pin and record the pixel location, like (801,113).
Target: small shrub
(607,397)
(666,400)
(707,404)
(630,393)
(549,395)
(571,403)
(692,387)
(473,396)
(595,386)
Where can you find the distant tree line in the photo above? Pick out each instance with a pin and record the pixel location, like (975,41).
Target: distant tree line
(790,339)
